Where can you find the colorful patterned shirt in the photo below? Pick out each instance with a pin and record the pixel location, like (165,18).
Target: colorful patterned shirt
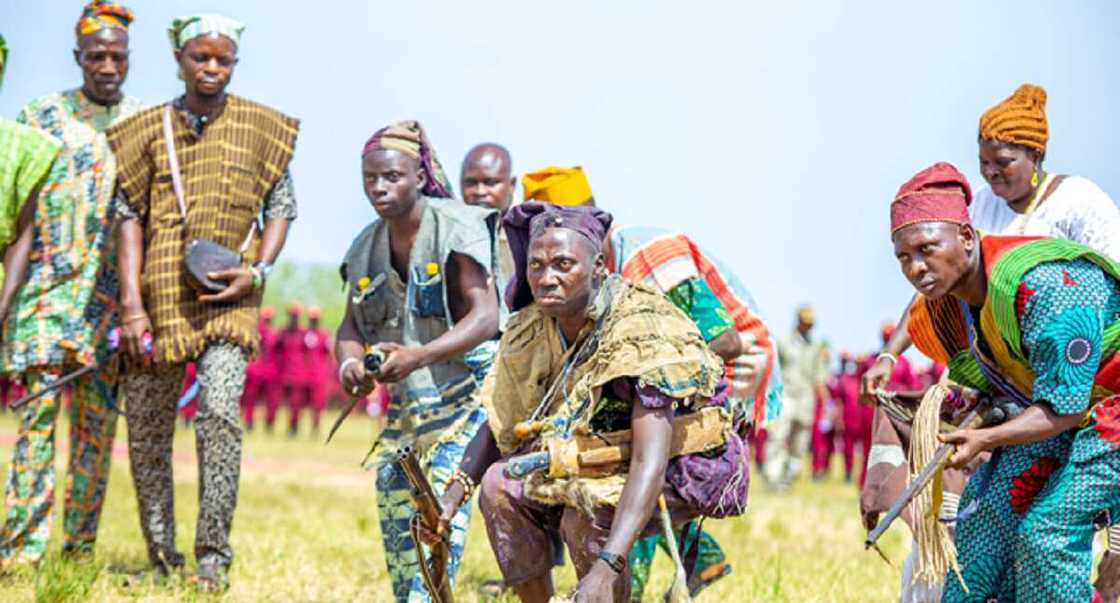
(695,298)
(25,157)
(1065,308)
(68,301)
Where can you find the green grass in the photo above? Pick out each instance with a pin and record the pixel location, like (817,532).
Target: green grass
(306,530)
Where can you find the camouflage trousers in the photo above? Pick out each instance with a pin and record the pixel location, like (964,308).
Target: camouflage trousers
(29,490)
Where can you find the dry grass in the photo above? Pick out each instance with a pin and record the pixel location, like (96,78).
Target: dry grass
(306,530)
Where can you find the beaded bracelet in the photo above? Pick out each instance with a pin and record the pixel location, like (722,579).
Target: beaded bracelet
(468,484)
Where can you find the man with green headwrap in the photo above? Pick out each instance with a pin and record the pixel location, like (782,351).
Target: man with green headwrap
(229,185)
(60,317)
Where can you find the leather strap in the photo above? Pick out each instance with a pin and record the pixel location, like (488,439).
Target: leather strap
(177,180)
(173,161)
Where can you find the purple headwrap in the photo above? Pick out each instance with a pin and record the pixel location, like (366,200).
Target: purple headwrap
(409,138)
(525,221)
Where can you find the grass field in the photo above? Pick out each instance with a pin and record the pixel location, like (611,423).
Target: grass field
(306,530)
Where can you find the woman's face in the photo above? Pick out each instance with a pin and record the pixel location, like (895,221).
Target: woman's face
(1008,169)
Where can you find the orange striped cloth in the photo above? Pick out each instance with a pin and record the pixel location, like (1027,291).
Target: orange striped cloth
(663,260)
(227,173)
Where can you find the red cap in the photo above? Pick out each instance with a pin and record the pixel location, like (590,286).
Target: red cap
(267,312)
(295,308)
(939,193)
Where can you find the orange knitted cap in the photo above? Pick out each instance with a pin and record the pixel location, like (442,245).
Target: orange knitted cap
(1019,119)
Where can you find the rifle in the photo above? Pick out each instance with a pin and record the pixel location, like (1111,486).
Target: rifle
(114,345)
(433,567)
(600,454)
(989,411)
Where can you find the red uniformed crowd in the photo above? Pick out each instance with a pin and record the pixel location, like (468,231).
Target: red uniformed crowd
(841,423)
(296,368)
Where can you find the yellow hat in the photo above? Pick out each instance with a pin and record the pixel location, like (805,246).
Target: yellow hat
(557,185)
(807,315)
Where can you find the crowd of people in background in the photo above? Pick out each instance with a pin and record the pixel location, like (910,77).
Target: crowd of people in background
(295,370)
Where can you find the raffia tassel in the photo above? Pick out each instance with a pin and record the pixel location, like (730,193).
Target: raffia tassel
(937,553)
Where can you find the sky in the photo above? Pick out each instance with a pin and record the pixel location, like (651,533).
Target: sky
(773,133)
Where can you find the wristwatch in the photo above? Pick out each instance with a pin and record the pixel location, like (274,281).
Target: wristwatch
(264,268)
(616,562)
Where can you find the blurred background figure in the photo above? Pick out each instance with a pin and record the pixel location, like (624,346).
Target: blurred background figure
(804,365)
(294,377)
(262,374)
(319,365)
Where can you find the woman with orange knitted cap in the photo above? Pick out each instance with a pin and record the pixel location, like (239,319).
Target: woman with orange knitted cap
(1023,199)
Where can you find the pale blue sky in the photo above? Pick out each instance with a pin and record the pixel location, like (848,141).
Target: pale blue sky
(773,133)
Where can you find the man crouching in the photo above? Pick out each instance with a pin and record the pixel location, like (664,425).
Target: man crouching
(587,357)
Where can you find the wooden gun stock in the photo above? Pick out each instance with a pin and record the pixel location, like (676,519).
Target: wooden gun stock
(433,566)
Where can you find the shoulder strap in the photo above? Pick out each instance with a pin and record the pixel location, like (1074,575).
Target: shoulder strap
(177,180)
(173,160)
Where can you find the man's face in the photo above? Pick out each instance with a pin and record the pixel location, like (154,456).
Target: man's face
(207,64)
(103,57)
(487,182)
(1008,169)
(560,268)
(392,181)
(934,256)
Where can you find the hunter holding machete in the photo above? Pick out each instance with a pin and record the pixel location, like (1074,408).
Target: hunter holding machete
(587,357)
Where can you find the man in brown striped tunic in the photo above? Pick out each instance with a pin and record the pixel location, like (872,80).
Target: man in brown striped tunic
(232,157)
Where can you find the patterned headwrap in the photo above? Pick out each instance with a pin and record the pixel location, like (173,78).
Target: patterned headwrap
(409,138)
(1020,119)
(100,14)
(557,185)
(939,193)
(3,57)
(185,29)
(525,221)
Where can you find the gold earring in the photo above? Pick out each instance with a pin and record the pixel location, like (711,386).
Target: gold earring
(1034,180)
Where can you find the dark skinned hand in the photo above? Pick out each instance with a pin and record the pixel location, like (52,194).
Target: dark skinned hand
(598,585)
(400,361)
(968,442)
(1108,578)
(356,381)
(133,333)
(876,378)
(239,283)
(451,500)
(870,520)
